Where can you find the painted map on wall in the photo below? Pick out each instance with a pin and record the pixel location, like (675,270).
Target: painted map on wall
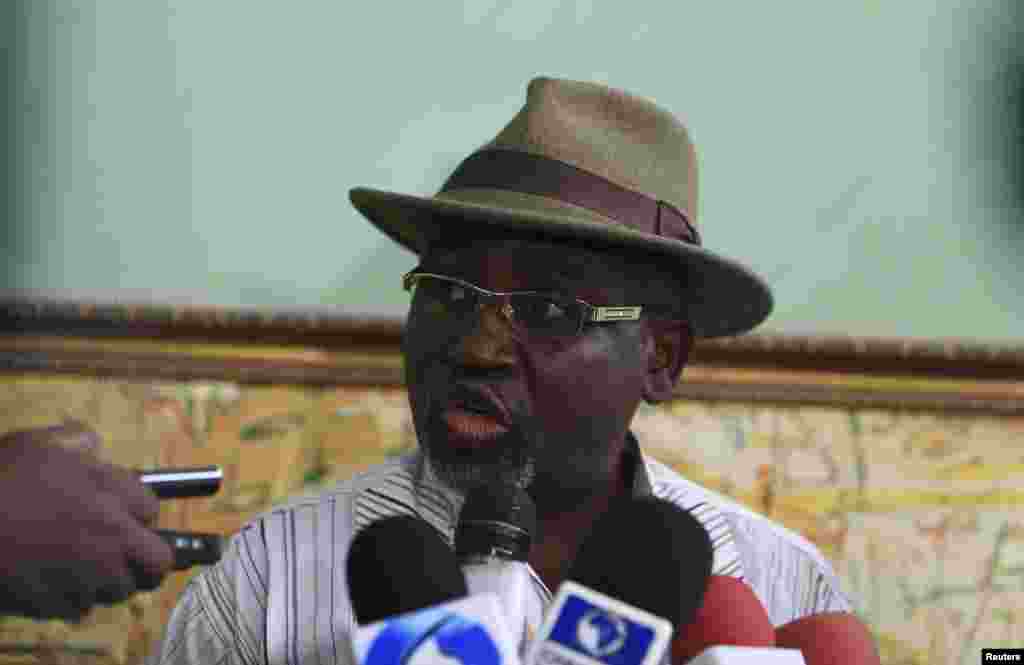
(918,512)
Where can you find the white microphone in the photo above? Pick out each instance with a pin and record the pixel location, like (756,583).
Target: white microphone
(419,614)
(470,631)
(729,655)
(492,543)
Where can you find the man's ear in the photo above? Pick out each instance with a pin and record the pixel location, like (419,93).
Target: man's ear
(672,342)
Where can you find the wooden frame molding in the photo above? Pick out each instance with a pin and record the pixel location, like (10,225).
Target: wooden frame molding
(150,342)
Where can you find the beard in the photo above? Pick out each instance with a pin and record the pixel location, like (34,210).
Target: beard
(508,459)
(558,476)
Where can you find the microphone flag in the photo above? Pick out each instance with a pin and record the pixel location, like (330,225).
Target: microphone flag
(584,627)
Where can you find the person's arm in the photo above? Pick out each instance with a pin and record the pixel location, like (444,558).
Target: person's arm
(220,618)
(74,532)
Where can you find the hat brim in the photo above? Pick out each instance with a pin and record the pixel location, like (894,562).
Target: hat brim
(722,298)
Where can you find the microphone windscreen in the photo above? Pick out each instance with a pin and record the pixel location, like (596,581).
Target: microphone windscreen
(400,564)
(647,553)
(496,520)
(502,502)
(828,638)
(731,615)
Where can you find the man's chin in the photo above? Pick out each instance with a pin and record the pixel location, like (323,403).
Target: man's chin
(552,498)
(550,494)
(463,467)
(554,484)
(463,473)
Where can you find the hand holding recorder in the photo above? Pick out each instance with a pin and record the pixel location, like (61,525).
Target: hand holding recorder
(75,532)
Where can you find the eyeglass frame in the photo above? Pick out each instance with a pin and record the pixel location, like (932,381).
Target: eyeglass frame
(593,313)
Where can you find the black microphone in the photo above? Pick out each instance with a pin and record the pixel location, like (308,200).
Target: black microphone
(400,564)
(648,553)
(641,571)
(497,521)
(409,598)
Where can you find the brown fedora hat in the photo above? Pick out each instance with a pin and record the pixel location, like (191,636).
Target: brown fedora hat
(590,165)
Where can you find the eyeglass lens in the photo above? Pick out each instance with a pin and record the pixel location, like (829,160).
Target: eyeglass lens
(536,314)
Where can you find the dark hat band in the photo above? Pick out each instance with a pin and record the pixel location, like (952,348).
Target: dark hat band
(513,170)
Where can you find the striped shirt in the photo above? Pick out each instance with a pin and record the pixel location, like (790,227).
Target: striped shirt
(279,596)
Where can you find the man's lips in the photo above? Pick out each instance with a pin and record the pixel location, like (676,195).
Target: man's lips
(474,414)
(481,401)
(476,426)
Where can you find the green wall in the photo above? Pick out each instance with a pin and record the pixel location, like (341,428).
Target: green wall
(855,153)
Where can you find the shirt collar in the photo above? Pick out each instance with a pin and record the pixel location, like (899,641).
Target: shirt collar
(636,467)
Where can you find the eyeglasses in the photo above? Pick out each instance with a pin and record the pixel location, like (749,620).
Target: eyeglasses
(540,315)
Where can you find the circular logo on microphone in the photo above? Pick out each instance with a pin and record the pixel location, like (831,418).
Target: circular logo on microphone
(433,636)
(601,633)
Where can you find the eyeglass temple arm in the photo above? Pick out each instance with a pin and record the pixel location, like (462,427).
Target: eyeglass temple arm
(604,314)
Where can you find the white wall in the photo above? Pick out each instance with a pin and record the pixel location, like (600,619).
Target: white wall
(200,151)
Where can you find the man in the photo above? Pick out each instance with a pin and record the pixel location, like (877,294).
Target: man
(561,282)
(75,532)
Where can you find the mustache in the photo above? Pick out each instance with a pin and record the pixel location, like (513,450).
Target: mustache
(511,458)
(522,433)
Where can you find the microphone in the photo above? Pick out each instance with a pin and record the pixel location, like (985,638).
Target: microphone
(828,637)
(731,626)
(381,581)
(492,543)
(641,571)
(417,613)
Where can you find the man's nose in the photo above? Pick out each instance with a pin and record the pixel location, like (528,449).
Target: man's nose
(490,343)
